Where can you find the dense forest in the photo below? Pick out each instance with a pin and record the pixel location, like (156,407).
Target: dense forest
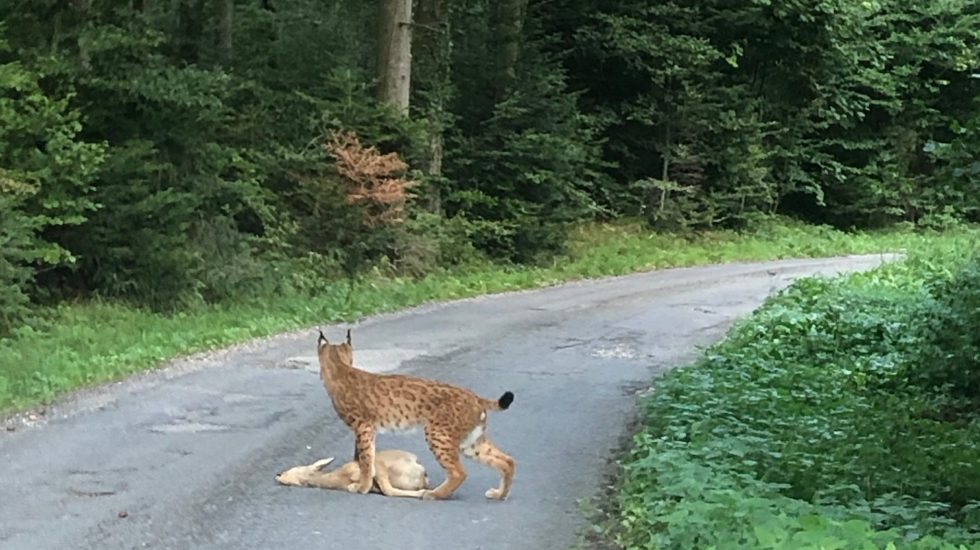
(192,151)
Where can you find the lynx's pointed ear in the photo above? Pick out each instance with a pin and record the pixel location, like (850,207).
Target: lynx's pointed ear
(322,340)
(348,337)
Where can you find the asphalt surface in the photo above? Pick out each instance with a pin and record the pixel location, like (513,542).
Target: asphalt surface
(185,457)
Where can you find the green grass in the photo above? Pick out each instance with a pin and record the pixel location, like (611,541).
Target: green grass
(92,342)
(821,421)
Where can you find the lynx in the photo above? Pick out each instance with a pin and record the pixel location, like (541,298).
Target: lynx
(398,474)
(454,419)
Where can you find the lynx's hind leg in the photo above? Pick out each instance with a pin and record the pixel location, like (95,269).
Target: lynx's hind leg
(446,450)
(485,452)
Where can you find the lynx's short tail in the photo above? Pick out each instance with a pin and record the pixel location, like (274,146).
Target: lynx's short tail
(501,404)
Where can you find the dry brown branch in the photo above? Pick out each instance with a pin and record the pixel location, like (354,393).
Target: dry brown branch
(375,181)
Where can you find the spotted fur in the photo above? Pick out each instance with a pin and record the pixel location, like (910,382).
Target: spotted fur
(453,419)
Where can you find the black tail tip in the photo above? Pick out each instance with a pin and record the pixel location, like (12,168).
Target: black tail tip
(505,400)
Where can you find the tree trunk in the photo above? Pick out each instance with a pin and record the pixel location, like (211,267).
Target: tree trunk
(190,17)
(226,23)
(56,33)
(432,85)
(395,52)
(84,55)
(509,32)
(665,169)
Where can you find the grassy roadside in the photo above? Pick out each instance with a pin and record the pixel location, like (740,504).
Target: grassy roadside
(92,342)
(841,414)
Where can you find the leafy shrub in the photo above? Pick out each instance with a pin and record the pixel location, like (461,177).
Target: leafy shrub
(46,172)
(227,265)
(953,195)
(672,501)
(16,236)
(430,242)
(800,431)
(950,330)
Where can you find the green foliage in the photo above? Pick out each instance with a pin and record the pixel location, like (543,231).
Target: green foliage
(676,502)
(45,181)
(959,174)
(665,115)
(168,170)
(16,252)
(529,171)
(818,109)
(949,355)
(775,437)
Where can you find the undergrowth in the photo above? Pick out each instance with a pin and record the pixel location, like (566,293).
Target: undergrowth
(96,341)
(842,414)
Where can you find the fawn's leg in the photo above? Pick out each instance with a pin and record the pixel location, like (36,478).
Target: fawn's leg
(389,490)
(341,478)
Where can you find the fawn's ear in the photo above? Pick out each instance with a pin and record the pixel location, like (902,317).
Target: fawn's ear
(321,341)
(348,337)
(321,464)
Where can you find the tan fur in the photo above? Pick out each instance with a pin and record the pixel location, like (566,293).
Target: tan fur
(398,474)
(454,419)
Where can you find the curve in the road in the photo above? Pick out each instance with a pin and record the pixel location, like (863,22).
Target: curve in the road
(185,457)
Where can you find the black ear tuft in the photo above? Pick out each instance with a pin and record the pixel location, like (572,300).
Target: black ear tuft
(505,400)
(322,339)
(348,337)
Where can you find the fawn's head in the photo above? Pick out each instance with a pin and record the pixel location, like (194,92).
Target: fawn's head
(302,475)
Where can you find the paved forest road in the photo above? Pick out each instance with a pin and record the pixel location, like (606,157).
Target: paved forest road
(189,453)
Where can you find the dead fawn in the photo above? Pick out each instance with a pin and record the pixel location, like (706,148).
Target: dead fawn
(397,474)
